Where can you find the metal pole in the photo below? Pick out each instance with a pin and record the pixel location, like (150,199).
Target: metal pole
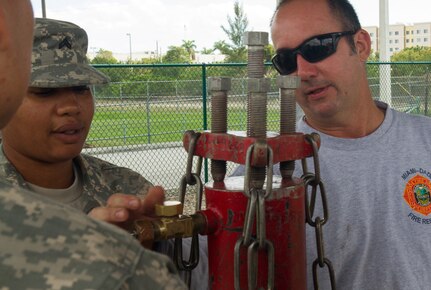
(426,92)
(385,69)
(43,9)
(130,45)
(205,113)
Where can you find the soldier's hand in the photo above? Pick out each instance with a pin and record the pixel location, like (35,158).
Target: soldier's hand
(123,209)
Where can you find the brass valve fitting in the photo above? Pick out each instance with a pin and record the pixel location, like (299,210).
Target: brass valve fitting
(170,224)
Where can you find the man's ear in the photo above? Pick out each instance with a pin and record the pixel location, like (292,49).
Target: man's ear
(363,44)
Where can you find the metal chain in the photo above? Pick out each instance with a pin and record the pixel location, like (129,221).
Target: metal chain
(190,178)
(314,180)
(255,209)
(192,145)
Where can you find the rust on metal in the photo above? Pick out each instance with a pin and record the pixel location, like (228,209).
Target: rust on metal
(233,148)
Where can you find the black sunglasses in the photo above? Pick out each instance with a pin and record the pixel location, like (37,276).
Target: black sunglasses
(313,49)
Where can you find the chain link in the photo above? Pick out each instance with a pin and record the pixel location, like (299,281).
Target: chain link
(314,180)
(255,209)
(190,178)
(192,145)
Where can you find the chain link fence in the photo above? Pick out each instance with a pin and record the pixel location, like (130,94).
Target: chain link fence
(142,114)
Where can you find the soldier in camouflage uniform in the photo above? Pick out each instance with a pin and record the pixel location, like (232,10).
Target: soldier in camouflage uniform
(47,245)
(42,144)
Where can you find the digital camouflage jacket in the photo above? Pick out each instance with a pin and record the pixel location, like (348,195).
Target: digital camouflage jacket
(48,245)
(100,179)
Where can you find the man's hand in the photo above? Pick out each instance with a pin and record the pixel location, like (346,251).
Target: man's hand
(123,209)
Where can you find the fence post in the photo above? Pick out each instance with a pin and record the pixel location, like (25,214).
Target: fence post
(123,125)
(147,108)
(427,91)
(177,106)
(385,83)
(204,112)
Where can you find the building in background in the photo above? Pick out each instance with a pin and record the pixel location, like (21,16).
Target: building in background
(209,58)
(396,38)
(373,31)
(418,34)
(402,36)
(124,57)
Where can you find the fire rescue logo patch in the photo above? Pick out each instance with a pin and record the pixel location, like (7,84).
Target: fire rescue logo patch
(417,194)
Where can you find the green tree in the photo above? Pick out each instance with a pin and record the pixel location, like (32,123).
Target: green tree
(374,56)
(269,52)
(150,60)
(417,53)
(207,50)
(176,54)
(190,46)
(222,46)
(236,50)
(104,57)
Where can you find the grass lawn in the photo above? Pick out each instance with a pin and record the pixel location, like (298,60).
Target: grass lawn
(135,124)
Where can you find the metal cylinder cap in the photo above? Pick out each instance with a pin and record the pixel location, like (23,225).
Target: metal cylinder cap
(169,208)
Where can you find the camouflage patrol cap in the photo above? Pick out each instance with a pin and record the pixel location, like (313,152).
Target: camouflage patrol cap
(59,56)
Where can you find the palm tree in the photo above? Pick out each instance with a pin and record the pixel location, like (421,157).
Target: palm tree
(190,46)
(207,50)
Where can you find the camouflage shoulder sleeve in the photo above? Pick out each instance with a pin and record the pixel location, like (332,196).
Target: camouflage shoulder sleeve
(118,179)
(46,245)
(155,271)
(8,172)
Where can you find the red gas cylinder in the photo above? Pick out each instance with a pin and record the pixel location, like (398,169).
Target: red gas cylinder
(285,228)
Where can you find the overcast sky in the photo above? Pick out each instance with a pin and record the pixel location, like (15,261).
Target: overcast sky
(161,23)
